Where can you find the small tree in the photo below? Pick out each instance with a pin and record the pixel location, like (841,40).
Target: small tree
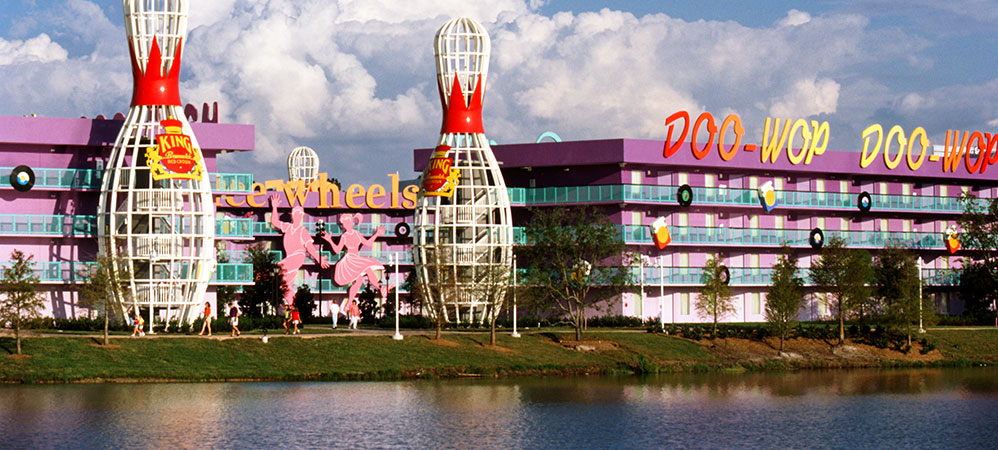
(367,301)
(786,296)
(979,239)
(575,261)
(714,299)
(845,275)
(20,301)
(100,281)
(897,287)
(304,300)
(492,288)
(268,286)
(224,294)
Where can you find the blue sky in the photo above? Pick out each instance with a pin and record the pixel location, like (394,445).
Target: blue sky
(354,79)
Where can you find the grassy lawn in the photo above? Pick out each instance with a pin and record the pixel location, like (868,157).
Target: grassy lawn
(965,343)
(327,358)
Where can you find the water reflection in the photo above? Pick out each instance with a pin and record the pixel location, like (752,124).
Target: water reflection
(833,409)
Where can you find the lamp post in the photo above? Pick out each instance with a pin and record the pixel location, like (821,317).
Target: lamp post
(515,334)
(661,291)
(320,227)
(920,329)
(397,336)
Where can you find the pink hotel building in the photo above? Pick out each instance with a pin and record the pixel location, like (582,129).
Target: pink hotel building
(632,181)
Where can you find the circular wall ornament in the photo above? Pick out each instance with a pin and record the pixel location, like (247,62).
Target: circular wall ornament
(817,238)
(865,201)
(685,195)
(22,178)
(402,229)
(725,275)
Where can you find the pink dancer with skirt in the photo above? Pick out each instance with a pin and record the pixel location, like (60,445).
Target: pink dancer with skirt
(297,244)
(352,268)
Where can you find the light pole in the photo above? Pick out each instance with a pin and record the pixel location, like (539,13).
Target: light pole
(515,334)
(661,292)
(920,329)
(397,336)
(320,227)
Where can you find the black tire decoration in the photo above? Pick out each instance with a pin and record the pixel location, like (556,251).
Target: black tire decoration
(402,229)
(865,202)
(817,238)
(685,195)
(22,178)
(725,275)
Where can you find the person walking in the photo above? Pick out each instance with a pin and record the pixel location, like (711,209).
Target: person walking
(207,319)
(234,318)
(334,310)
(354,314)
(287,319)
(295,318)
(137,323)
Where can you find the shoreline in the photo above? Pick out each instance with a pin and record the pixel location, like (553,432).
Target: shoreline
(371,355)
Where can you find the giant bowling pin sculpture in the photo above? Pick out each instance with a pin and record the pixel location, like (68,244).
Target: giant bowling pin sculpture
(156,216)
(463,234)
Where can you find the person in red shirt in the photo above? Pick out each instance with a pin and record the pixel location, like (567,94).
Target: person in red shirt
(295,318)
(207,319)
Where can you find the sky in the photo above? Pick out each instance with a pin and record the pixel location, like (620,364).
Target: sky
(355,80)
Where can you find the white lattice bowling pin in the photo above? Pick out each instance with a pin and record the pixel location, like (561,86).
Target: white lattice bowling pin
(463,232)
(156,215)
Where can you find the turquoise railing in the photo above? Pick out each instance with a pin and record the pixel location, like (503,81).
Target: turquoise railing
(70,271)
(91,179)
(726,196)
(740,276)
(40,224)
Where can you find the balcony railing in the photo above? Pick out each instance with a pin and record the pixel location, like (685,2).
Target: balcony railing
(727,196)
(91,179)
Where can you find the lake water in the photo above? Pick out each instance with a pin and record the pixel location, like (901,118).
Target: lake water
(925,408)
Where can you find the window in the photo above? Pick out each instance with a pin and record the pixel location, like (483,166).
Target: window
(819,186)
(708,180)
(845,225)
(883,188)
(906,188)
(710,220)
(754,221)
(684,219)
(684,303)
(754,260)
(821,222)
(844,186)
(906,225)
(822,305)
(883,225)
(755,303)
(942,191)
(636,217)
(684,178)
(778,222)
(753,182)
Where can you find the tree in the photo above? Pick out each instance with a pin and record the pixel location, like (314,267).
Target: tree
(304,300)
(268,286)
(979,239)
(491,288)
(897,287)
(20,301)
(101,281)
(575,261)
(224,294)
(439,284)
(786,296)
(367,301)
(845,275)
(714,299)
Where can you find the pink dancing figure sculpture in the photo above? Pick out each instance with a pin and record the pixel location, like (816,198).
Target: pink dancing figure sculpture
(297,243)
(352,268)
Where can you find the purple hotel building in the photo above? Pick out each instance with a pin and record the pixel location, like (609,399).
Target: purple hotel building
(631,180)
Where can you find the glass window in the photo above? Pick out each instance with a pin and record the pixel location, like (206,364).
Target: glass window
(684,303)
(684,178)
(883,188)
(754,260)
(753,182)
(754,221)
(756,303)
(711,220)
(708,180)
(844,225)
(821,223)
(942,191)
(684,219)
(843,186)
(778,183)
(779,222)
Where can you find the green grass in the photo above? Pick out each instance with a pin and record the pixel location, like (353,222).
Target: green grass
(975,344)
(326,358)
(355,357)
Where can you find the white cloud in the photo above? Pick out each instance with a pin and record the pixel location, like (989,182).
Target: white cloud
(807,98)
(355,79)
(794,18)
(39,49)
